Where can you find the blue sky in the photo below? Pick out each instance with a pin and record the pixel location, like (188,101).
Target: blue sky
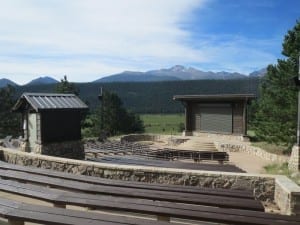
(89,39)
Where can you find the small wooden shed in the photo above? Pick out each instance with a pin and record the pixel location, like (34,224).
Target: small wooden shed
(51,123)
(222,113)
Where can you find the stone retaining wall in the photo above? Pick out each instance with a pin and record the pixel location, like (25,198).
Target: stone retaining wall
(66,149)
(247,148)
(263,186)
(287,196)
(294,162)
(231,137)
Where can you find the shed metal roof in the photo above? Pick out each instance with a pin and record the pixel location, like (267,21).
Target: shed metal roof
(218,97)
(47,101)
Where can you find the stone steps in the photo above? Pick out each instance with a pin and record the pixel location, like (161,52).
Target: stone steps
(196,144)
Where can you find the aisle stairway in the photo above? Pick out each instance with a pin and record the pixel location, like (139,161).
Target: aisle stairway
(198,143)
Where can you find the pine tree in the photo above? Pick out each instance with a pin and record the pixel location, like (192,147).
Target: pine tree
(66,87)
(276,116)
(9,122)
(114,117)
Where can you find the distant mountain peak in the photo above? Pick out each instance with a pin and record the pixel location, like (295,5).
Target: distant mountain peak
(258,73)
(183,69)
(4,82)
(177,72)
(131,72)
(178,68)
(43,80)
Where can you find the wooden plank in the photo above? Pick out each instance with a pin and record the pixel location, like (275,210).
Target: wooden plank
(88,217)
(220,201)
(167,164)
(47,215)
(31,191)
(15,222)
(183,211)
(192,154)
(184,214)
(62,197)
(134,184)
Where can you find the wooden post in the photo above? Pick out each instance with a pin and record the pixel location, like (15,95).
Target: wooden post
(163,218)
(57,205)
(245,118)
(15,222)
(186,115)
(188,128)
(298,124)
(100,97)
(294,162)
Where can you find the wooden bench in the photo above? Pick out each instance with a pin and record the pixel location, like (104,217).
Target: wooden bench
(221,157)
(188,207)
(158,195)
(132,184)
(197,156)
(115,147)
(17,213)
(163,210)
(134,160)
(161,154)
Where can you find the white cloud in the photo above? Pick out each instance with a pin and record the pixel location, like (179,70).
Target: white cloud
(87,39)
(129,31)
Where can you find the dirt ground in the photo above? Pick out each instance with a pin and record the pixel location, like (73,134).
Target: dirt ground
(247,162)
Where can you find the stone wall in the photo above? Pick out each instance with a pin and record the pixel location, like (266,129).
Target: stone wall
(263,186)
(294,162)
(247,148)
(226,137)
(67,149)
(284,189)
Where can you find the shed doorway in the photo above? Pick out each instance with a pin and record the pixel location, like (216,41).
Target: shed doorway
(213,118)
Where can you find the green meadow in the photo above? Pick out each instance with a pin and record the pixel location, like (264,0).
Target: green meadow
(163,123)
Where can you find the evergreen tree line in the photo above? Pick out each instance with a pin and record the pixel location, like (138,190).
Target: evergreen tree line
(150,97)
(9,122)
(153,97)
(275,117)
(110,119)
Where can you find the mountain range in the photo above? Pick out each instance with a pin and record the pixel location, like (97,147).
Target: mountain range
(174,73)
(42,80)
(258,73)
(4,82)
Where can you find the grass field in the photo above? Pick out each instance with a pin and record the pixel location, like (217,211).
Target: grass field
(280,148)
(163,123)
